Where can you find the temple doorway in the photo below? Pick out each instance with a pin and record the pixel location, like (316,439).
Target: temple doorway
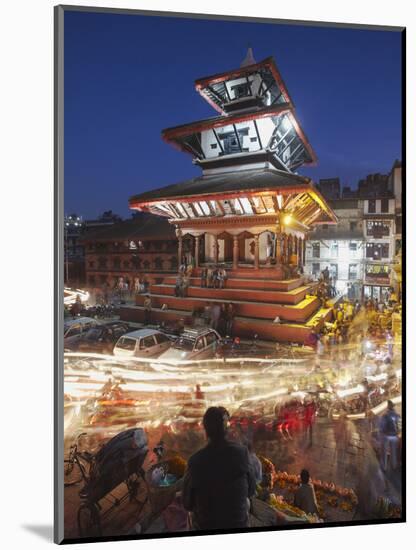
(225,247)
(246,248)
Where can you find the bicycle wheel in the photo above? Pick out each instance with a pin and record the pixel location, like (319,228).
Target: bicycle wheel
(72,473)
(89,523)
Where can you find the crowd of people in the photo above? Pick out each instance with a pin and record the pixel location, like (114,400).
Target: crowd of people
(213,277)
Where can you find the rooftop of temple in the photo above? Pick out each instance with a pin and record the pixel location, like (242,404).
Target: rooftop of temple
(245,192)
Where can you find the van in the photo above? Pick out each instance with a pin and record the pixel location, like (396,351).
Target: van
(142,343)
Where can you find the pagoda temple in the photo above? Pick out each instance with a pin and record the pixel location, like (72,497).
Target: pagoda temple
(249,211)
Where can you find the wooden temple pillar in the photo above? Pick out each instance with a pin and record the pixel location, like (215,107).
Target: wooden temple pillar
(216,249)
(197,251)
(289,247)
(256,252)
(180,246)
(235,252)
(300,251)
(304,251)
(284,248)
(278,251)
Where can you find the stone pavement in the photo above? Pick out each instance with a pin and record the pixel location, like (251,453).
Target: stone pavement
(342,452)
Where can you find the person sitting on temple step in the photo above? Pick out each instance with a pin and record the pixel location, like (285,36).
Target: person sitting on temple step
(221,277)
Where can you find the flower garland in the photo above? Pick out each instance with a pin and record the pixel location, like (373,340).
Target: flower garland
(327,493)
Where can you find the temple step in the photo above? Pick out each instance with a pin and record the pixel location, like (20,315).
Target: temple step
(266,273)
(298,313)
(292,297)
(247,283)
(245,327)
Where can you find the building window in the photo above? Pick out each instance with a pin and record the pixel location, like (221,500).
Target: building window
(253,139)
(353,250)
(334,250)
(378,229)
(353,226)
(102,263)
(333,271)
(241,90)
(377,271)
(384,205)
(213,145)
(325,226)
(232,142)
(316,268)
(117,263)
(372,206)
(377,251)
(91,264)
(136,262)
(352,271)
(316,250)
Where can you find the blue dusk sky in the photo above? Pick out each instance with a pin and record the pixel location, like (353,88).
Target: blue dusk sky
(129,76)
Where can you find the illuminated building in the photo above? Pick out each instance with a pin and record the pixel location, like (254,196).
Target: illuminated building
(249,210)
(340,248)
(361,249)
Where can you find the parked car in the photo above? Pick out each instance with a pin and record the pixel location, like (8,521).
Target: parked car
(101,338)
(196,344)
(74,329)
(142,343)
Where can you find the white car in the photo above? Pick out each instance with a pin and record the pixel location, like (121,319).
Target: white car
(193,344)
(142,343)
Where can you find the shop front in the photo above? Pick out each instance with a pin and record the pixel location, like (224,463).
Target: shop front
(377,282)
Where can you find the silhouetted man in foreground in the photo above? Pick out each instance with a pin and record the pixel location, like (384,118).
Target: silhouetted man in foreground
(219,480)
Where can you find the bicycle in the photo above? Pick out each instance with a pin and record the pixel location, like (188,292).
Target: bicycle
(77,463)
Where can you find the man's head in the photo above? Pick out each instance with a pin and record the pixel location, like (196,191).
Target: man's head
(390,405)
(305,477)
(215,422)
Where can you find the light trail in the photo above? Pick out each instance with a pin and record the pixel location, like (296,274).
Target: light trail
(70,296)
(158,394)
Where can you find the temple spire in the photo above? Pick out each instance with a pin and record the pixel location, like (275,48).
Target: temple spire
(249,58)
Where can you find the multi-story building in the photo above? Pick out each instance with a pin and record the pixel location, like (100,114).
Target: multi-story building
(361,250)
(330,187)
(145,244)
(74,273)
(380,242)
(340,248)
